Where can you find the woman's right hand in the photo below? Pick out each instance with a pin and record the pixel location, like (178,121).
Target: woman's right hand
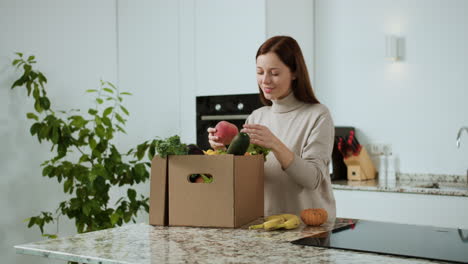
(214,140)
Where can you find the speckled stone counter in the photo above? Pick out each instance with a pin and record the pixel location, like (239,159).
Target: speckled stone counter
(145,244)
(451,185)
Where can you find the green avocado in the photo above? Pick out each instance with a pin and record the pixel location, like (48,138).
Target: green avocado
(239,144)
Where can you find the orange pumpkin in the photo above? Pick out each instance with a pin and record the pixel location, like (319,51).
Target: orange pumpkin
(314,216)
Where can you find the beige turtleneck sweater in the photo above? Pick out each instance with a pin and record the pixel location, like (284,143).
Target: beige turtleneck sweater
(308,131)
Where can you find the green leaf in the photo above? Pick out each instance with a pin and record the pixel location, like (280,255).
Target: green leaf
(44,132)
(55,134)
(27,68)
(119,118)
(121,129)
(111,85)
(115,218)
(78,121)
(92,142)
(50,236)
(92,176)
(140,170)
(19,54)
(126,93)
(16,62)
(32,116)
(97,120)
(42,79)
(83,158)
(99,100)
(107,121)
(18,83)
(45,103)
(124,110)
(32,221)
(107,111)
(87,208)
(38,106)
(92,111)
(91,91)
(108,90)
(35,128)
(141,150)
(67,186)
(131,194)
(30,58)
(47,170)
(100,131)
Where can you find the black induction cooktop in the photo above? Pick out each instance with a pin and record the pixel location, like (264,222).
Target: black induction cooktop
(427,242)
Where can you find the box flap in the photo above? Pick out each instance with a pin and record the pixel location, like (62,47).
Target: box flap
(248,188)
(158,192)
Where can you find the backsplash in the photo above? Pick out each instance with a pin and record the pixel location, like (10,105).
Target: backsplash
(432,177)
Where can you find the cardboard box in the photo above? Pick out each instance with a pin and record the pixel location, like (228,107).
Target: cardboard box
(233,199)
(360,167)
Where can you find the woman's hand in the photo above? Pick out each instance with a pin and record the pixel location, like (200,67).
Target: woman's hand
(213,140)
(262,136)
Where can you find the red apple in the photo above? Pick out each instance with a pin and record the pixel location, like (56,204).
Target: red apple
(226,131)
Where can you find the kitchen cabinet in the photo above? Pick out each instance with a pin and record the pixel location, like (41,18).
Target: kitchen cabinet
(148,66)
(226,37)
(419,209)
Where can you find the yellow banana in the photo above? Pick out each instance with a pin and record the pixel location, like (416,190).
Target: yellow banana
(269,225)
(291,221)
(209,152)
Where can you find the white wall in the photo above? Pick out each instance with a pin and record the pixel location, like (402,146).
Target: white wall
(74,42)
(417,104)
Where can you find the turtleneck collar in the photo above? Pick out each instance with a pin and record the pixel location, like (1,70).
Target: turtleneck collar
(286,104)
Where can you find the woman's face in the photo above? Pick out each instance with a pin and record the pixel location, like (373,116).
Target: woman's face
(273,76)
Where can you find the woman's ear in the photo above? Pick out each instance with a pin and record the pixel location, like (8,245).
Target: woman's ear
(293,76)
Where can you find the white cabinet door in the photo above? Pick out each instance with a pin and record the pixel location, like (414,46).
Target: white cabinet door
(148,65)
(227,36)
(418,209)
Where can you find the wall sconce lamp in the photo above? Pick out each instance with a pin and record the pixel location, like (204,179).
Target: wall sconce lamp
(392,48)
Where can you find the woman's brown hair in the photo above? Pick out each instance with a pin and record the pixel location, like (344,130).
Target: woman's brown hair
(289,52)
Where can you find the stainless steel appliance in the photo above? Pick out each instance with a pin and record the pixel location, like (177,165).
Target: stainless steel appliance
(232,108)
(426,242)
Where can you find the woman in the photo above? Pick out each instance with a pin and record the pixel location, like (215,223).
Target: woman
(296,127)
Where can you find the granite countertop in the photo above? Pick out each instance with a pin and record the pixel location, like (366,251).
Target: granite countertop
(146,244)
(450,185)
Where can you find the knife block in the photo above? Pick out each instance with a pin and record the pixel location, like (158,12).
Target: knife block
(360,167)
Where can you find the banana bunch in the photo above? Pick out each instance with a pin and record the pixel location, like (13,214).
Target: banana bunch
(281,221)
(214,152)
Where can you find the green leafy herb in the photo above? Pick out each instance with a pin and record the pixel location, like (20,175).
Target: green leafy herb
(258,150)
(170,146)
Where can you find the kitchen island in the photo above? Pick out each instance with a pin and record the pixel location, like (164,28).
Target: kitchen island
(145,244)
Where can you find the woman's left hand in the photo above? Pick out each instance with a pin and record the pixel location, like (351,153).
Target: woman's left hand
(261,135)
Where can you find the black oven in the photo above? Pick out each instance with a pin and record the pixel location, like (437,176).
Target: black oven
(232,108)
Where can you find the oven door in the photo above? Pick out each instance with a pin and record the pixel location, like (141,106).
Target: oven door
(211,121)
(231,108)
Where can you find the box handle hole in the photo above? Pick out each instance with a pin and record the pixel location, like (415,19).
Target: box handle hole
(200,178)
